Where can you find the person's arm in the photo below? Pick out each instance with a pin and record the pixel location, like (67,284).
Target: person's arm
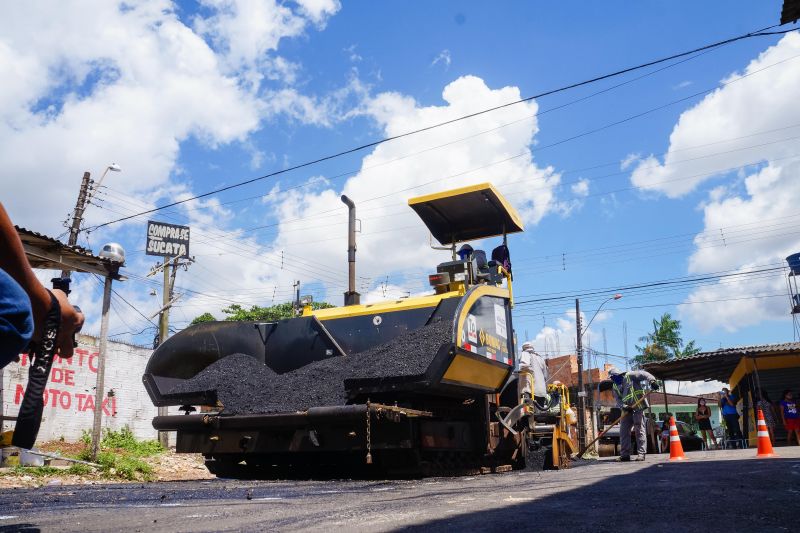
(731,400)
(14,262)
(644,376)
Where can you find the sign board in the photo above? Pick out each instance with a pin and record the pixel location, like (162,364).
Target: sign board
(167,240)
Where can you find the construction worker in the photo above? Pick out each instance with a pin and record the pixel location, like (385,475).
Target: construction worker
(532,367)
(630,390)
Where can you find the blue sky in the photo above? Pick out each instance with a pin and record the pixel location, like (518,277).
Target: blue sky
(190,97)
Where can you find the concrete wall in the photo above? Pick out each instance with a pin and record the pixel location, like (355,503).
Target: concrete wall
(70,393)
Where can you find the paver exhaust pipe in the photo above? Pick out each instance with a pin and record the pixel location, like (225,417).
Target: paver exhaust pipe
(351,297)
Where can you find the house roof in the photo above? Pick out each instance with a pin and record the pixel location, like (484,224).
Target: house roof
(47,252)
(718,364)
(657,398)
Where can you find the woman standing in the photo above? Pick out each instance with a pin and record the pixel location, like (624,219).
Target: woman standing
(765,404)
(703,417)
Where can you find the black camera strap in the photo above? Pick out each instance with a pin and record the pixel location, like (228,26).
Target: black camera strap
(41,356)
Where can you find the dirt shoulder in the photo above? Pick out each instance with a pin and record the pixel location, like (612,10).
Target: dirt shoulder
(163,466)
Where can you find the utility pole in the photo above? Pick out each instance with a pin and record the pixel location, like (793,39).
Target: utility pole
(99,392)
(163,333)
(170,270)
(625,340)
(581,391)
(77,215)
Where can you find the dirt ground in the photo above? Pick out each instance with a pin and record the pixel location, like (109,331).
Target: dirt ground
(167,466)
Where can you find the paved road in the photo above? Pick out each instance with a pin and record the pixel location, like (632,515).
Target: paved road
(713,491)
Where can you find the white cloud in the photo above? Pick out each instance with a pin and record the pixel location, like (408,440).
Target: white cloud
(749,220)
(682,85)
(319,11)
(114,81)
(246,30)
(443,58)
(394,240)
(106,82)
(559,339)
(629,161)
(700,146)
(352,54)
(743,232)
(580,188)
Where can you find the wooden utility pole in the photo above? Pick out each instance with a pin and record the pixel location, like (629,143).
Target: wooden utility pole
(170,270)
(77,215)
(581,391)
(99,392)
(163,333)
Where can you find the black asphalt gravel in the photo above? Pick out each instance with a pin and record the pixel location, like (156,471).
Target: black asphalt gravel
(245,386)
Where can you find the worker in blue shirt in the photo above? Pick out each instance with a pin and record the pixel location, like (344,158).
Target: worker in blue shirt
(727,402)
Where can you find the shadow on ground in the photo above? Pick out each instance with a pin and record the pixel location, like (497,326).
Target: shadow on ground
(753,495)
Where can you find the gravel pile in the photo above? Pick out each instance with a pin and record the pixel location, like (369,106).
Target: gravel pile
(246,386)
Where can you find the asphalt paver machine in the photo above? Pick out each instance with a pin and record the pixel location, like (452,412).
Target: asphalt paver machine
(415,385)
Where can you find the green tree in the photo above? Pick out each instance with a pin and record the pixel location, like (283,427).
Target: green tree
(236,312)
(205,317)
(665,342)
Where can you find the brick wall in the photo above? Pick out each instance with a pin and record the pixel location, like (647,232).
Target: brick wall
(70,392)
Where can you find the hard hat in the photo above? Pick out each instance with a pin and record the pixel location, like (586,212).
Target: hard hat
(526,346)
(614,371)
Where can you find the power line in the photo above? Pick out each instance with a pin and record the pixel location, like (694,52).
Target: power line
(658,283)
(118,295)
(757,33)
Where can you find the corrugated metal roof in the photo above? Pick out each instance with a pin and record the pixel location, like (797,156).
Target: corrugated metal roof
(48,252)
(718,364)
(755,349)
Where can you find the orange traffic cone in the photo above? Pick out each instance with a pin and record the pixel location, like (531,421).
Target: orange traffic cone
(675,448)
(764,445)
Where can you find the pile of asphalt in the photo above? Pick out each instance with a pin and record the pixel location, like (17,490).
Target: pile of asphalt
(407,355)
(246,386)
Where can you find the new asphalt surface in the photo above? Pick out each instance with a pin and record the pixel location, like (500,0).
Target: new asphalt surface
(712,491)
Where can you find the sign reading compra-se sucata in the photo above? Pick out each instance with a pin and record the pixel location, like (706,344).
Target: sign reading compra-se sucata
(167,240)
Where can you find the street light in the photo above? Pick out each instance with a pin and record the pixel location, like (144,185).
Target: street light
(579,349)
(615,297)
(84,196)
(113,167)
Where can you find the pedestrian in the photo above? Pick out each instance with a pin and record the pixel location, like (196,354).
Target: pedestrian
(727,402)
(703,417)
(765,404)
(25,302)
(665,432)
(790,417)
(629,390)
